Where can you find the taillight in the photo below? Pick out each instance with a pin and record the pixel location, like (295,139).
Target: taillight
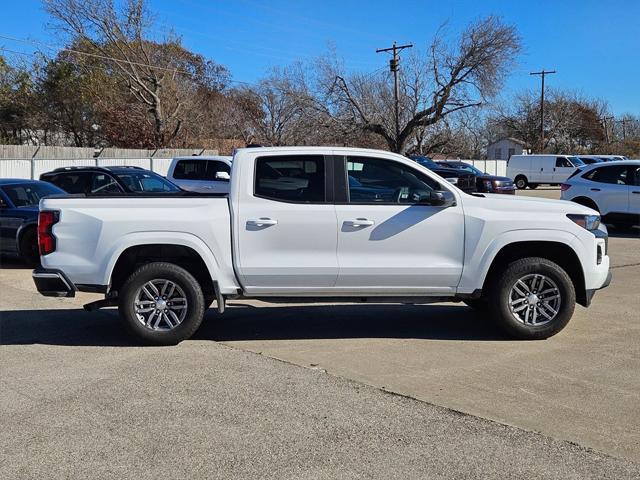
(564,187)
(46,241)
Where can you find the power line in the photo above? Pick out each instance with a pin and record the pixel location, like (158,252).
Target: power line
(94,55)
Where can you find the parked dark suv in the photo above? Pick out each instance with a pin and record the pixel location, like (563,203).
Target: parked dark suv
(19,216)
(484,182)
(463,180)
(108,180)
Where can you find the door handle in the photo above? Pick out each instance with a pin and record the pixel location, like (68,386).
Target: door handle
(637,193)
(595,189)
(262,222)
(359,222)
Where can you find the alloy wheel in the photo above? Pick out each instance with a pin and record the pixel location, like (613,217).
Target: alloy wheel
(160,305)
(534,300)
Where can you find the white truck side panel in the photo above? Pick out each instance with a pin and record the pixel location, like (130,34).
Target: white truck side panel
(93,232)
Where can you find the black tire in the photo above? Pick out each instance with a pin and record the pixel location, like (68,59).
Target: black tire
(521,182)
(478,304)
(533,186)
(499,299)
(29,248)
(195,303)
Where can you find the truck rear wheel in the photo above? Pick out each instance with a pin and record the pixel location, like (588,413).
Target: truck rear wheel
(161,304)
(533,299)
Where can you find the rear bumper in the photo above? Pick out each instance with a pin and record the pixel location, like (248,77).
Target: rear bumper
(53,283)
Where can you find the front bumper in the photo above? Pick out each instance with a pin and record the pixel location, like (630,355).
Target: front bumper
(590,293)
(53,283)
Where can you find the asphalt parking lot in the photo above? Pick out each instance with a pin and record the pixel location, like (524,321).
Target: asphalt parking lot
(79,400)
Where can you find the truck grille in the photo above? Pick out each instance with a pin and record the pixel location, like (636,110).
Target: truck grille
(467,183)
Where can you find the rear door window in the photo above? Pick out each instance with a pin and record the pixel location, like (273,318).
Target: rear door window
(615,174)
(190,170)
(291,178)
(71,182)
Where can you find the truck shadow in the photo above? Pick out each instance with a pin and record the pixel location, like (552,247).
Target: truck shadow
(75,327)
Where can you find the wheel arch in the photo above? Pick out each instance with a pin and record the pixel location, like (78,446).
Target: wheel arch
(184,256)
(558,252)
(21,231)
(586,202)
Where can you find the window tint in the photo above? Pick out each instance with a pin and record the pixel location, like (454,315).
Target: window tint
(616,174)
(635,175)
(199,169)
(71,182)
(292,178)
(144,181)
(29,194)
(563,162)
(103,183)
(373,180)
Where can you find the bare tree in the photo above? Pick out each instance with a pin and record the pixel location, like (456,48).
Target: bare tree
(159,76)
(445,81)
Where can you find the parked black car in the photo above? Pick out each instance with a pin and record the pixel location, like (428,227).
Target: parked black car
(463,180)
(485,183)
(19,201)
(108,180)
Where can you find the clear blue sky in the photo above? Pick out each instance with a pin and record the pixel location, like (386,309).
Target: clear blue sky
(593,44)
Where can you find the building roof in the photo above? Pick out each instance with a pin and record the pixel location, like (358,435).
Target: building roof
(511,139)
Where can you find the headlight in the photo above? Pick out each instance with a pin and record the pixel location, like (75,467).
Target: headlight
(590,222)
(453,180)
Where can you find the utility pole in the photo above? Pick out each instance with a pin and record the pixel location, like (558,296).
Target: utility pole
(393,66)
(624,128)
(542,73)
(606,128)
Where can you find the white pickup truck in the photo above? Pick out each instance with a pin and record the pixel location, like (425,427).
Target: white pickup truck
(323,224)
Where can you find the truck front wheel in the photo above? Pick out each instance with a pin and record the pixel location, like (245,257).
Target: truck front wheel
(161,304)
(533,299)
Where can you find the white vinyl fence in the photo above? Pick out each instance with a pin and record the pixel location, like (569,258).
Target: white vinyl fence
(33,168)
(492,167)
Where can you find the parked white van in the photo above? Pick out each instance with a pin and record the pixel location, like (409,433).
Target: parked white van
(206,174)
(532,170)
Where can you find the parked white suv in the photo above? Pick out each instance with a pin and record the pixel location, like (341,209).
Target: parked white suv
(612,188)
(533,170)
(323,223)
(207,174)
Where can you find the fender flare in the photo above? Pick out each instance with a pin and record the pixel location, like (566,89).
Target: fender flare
(171,238)
(481,266)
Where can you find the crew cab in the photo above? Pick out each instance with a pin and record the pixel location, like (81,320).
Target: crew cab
(320,224)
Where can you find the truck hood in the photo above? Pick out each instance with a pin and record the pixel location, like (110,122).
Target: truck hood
(531,204)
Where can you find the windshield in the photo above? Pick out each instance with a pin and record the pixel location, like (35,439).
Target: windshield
(576,162)
(144,181)
(29,194)
(425,161)
(467,168)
